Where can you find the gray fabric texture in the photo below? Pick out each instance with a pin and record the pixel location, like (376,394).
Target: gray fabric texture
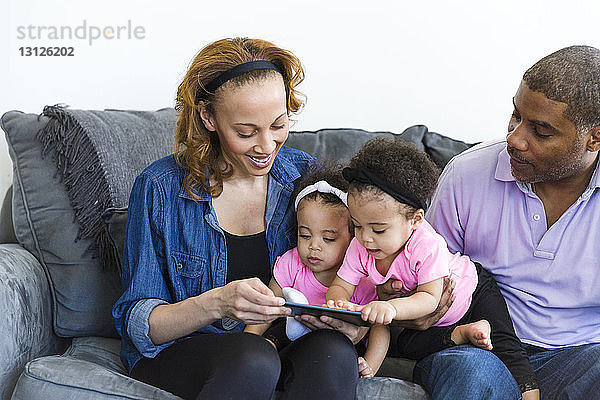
(7,232)
(340,144)
(400,368)
(98,155)
(115,223)
(26,328)
(69,378)
(83,292)
(43,220)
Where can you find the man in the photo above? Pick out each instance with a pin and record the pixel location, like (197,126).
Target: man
(528,209)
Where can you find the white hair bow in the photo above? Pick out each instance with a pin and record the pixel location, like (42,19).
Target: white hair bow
(321,187)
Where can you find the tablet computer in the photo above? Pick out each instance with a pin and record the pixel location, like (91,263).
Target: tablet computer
(352,317)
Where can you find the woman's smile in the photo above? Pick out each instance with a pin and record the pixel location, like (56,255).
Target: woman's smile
(261,162)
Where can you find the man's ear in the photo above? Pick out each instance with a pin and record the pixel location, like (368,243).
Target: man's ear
(207,118)
(594,139)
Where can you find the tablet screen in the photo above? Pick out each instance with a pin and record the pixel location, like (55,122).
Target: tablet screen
(352,317)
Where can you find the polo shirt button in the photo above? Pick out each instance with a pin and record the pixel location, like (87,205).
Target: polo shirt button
(536,217)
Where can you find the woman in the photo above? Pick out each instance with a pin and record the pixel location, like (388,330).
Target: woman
(205,222)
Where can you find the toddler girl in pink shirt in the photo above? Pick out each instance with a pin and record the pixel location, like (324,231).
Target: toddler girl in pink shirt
(390,183)
(324,233)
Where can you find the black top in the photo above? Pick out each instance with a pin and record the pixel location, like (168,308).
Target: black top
(247,257)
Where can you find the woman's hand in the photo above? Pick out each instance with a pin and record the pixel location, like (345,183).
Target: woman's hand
(353,332)
(393,289)
(251,302)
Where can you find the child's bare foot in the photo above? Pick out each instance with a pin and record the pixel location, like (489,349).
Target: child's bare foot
(476,333)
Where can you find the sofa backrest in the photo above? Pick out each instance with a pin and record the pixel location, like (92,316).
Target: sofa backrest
(340,144)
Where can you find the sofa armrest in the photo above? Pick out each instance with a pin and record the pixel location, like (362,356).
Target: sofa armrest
(25,306)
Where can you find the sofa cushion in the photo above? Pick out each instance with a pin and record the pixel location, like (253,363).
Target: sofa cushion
(83,292)
(69,378)
(26,327)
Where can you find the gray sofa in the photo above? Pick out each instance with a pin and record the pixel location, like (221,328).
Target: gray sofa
(59,248)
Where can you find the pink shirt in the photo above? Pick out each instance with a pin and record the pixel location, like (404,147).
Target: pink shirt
(425,258)
(289,271)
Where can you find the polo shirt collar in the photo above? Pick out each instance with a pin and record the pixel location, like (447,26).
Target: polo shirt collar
(503,167)
(595,181)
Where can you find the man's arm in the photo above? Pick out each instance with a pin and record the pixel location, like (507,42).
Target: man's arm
(392,289)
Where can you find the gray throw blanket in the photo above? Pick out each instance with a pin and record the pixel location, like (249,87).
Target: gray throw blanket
(98,156)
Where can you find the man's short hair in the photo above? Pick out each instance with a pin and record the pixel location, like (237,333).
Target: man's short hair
(572,76)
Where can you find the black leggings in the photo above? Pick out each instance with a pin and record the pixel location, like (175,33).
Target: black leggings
(488,304)
(321,364)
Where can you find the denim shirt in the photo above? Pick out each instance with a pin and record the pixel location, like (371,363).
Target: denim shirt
(175,249)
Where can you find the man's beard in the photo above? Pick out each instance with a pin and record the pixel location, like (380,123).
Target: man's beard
(567,165)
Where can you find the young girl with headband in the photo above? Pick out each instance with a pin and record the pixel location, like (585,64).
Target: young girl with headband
(324,233)
(390,183)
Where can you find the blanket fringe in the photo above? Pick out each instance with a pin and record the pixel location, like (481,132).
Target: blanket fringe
(79,169)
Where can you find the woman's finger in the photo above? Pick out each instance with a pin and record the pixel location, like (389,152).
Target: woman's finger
(308,321)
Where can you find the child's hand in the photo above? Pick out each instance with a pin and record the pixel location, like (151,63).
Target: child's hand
(378,312)
(364,369)
(343,304)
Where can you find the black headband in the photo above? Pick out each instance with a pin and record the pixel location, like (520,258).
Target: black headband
(368,176)
(232,73)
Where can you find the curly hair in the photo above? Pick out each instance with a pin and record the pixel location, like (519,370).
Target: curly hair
(570,75)
(400,163)
(330,172)
(196,149)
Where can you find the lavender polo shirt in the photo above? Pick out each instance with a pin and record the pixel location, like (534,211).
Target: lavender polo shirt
(550,278)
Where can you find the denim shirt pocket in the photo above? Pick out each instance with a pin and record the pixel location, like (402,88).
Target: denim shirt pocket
(191,269)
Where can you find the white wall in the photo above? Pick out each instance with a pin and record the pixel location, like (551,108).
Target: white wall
(376,65)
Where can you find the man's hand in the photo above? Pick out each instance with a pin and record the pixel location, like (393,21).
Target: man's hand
(352,332)
(392,289)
